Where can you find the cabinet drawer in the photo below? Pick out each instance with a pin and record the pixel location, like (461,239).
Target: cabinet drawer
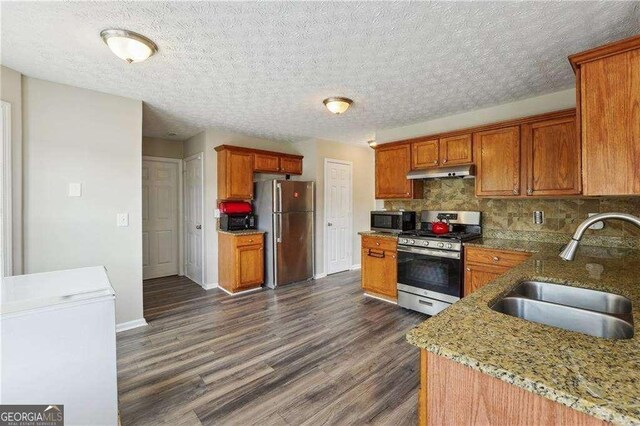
(379,243)
(495,257)
(248,240)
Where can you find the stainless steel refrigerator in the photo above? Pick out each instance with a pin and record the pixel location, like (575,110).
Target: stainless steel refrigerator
(285,210)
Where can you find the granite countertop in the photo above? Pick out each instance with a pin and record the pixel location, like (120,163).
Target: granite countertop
(596,376)
(379,234)
(243,232)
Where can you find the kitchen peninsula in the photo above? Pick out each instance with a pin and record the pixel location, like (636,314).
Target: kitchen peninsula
(487,358)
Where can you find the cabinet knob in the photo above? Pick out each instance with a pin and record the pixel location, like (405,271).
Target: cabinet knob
(444,161)
(406,193)
(496,258)
(435,161)
(250,241)
(393,256)
(529,191)
(468,269)
(515,191)
(377,244)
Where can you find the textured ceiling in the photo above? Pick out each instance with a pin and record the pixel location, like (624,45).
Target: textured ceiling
(263,68)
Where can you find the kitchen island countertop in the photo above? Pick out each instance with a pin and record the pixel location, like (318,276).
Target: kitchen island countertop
(596,376)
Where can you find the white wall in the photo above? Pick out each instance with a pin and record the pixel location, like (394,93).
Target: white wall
(531,106)
(78,135)
(156,147)
(11,91)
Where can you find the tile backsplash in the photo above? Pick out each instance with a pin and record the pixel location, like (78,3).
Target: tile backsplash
(513,218)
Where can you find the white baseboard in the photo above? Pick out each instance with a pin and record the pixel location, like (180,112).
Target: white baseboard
(380,298)
(123,326)
(209,286)
(318,276)
(239,292)
(355,267)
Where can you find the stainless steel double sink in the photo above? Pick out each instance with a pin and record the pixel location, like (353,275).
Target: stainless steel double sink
(591,312)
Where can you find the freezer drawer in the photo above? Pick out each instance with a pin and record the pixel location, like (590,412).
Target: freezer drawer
(293,247)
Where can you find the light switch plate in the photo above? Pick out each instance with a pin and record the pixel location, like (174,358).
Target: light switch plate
(75,190)
(123,219)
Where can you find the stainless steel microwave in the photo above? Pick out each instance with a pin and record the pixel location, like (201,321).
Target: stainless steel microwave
(392,221)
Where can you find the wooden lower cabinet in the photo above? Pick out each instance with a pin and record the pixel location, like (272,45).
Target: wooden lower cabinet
(483,265)
(454,394)
(379,267)
(240,261)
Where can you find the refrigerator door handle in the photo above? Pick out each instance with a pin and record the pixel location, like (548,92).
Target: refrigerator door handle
(278,228)
(279,189)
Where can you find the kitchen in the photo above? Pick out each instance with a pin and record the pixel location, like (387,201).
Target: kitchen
(429,217)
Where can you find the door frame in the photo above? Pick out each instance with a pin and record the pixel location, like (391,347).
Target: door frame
(199,155)
(6,199)
(180,206)
(325,228)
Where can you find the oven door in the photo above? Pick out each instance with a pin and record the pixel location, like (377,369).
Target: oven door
(438,271)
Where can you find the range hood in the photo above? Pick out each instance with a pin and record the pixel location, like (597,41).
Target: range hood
(467,171)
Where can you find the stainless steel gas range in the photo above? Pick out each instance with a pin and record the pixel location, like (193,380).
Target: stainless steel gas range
(430,265)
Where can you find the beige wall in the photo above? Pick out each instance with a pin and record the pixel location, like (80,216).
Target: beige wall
(530,106)
(78,135)
(156,147)
(11,91)
(362,159)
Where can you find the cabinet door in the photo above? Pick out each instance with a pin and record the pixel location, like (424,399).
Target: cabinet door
(551,152)
(379,272)
(424,154)
(478,275)
(497,154)
(609,98)
(456,150)
(250,267)
(266,163)
(235,175)
(392,165)
(291,166)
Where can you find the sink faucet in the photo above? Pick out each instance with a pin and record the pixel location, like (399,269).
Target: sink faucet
(569,252)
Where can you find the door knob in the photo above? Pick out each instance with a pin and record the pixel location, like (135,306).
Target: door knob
(198,226)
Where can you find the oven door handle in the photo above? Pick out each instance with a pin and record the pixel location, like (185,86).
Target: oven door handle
(429,252)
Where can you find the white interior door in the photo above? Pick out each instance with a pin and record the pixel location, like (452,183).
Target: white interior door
(194,246)
(338,215)
(159,218)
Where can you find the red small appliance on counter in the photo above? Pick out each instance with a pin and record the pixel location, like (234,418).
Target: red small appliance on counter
(236,216)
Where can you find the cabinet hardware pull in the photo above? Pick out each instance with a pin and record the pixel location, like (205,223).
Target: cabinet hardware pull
(250,241)
(496,258)
(515,191)
(444,161)
(529,191)
(377,243)
(468,269)
(374,254)
(435,161)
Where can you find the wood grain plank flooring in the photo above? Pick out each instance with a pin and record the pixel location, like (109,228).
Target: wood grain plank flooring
(310,353)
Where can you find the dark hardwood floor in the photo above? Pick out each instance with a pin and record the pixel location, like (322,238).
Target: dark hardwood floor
(309,353)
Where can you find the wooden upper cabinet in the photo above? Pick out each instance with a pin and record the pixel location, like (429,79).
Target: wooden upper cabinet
(608,92)
(291,165)
(497,156)
(425,154)
(266,163)
(235,175)
(456,150)
(392,165)
(551,157)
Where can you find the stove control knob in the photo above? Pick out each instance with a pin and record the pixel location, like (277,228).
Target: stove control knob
(449,245)
(402,241)
(411,241)
(425,243)
(440,244)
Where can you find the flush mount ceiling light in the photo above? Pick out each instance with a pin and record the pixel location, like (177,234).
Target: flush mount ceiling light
(129,46)
(337,104)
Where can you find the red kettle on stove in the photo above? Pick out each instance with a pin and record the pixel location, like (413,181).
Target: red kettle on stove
(440,227)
